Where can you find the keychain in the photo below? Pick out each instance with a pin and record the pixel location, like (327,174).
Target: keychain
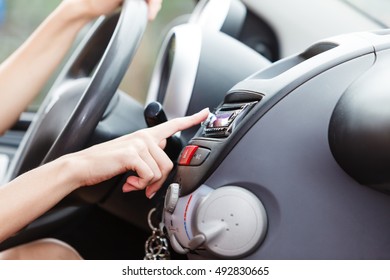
(156,247)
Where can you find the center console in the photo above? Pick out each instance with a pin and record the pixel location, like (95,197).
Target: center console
(229,222)
(261,179)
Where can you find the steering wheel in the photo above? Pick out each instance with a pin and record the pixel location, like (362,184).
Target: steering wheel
(65,121)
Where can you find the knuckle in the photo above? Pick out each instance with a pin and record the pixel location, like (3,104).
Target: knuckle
(149,176)
(158,176)
(143,135)
(130,154)
(138,146)
(167,167)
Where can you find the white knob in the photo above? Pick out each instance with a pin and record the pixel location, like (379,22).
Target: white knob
(233,221)
(171,197)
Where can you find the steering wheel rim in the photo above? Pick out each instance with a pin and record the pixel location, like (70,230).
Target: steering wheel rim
(109,72)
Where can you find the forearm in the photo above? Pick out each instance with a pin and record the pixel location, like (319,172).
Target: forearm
(33,193)
(23,74)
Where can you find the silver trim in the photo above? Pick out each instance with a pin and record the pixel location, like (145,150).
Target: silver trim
(4,162)
(208,14)
(158,69)
(183,73)
(211,14)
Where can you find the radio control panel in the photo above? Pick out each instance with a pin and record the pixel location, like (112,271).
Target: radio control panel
(215,139)
(222,122)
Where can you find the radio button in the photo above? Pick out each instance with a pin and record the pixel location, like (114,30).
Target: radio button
(200,156)
(187,154)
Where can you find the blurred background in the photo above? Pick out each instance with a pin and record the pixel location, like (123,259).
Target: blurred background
(18,19)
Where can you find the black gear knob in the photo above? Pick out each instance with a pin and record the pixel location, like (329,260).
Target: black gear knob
(154,115)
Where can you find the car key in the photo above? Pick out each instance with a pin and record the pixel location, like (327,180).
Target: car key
(156,247)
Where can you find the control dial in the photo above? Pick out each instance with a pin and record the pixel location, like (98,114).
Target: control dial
(172,197)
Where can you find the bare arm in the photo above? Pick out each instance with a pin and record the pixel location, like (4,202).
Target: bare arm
(33,193)
(25,72)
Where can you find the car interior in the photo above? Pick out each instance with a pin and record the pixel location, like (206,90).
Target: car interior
(291,164)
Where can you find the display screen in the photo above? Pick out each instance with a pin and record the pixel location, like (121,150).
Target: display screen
(221,119)
(225,120)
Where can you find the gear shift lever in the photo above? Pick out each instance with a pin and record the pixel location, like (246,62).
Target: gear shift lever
(154,115)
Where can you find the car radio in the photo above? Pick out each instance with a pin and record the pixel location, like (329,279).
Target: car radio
(222,123)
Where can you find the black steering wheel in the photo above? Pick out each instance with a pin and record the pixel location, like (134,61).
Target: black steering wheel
(65,121)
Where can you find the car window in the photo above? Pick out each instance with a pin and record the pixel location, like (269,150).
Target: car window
(18,20)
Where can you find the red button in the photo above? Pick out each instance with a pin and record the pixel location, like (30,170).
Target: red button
(187,154)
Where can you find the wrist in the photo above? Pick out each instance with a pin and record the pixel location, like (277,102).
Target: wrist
(75,11)
(70,171)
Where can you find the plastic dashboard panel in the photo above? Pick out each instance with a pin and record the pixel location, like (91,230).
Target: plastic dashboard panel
(281,154)
(317,20)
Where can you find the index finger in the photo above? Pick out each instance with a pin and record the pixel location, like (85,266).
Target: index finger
(167,129)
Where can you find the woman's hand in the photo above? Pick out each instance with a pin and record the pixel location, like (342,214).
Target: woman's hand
(33,193)
(94,8)
(141,151)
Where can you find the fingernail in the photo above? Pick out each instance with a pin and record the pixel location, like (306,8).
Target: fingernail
(152,195)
